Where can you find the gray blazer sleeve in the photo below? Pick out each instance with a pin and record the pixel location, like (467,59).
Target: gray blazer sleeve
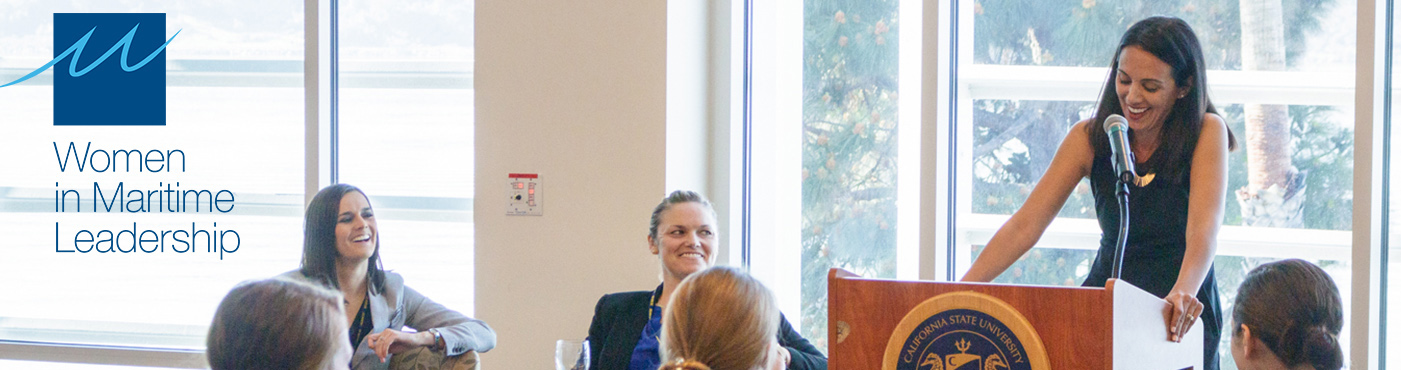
(460,333)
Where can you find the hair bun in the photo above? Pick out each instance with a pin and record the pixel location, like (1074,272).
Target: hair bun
(681,364)
(1321,349)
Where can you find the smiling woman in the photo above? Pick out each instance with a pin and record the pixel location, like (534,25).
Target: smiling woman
(341,252)
(1157,78)
(683,236)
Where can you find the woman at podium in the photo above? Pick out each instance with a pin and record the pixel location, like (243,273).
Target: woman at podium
(626,326)
(1157,81)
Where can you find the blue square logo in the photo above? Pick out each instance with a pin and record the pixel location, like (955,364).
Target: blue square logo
(116,72)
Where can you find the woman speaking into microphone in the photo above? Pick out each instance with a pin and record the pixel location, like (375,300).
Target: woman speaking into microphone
(1157,82)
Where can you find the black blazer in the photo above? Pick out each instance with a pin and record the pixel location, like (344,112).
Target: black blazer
(618,320)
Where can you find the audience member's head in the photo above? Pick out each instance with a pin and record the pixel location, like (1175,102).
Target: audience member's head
(279,324)
(1287,315)
(720,319)
(683,235)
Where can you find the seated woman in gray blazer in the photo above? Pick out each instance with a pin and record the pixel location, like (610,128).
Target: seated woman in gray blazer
(340,251)
(626,326)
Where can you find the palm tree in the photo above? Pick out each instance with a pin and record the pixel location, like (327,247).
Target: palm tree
(1275,194)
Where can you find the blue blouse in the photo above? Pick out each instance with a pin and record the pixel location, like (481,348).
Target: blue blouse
(646,355)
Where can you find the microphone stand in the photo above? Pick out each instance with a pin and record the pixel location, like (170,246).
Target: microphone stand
(1123,239)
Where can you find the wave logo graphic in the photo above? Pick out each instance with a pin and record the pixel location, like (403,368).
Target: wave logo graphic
(108,94)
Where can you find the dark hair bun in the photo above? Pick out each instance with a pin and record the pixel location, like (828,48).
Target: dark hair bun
(1321,349)
(1295,309)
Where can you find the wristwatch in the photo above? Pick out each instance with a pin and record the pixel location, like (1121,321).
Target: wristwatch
(438,343)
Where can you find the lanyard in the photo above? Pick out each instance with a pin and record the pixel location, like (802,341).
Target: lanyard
(651,310)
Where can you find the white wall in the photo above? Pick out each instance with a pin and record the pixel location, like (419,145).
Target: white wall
(576,91)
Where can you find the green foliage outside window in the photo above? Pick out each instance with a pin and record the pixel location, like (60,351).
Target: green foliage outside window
(1014,141)
(850,89)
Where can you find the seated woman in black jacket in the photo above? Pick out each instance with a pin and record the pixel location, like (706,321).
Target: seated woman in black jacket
(626,326)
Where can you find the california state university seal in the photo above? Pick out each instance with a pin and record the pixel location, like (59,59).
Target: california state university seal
(964,331)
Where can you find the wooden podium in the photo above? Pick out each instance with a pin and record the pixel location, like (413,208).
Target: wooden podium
(1116,327)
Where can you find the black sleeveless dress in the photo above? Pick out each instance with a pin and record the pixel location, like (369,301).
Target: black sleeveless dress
(1156,245)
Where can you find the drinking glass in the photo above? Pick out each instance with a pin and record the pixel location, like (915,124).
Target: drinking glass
(571,355)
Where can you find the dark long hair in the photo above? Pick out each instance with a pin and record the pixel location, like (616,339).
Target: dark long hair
(1294,308)
(319,239)
(1172,41)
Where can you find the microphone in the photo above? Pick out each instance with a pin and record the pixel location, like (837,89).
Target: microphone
(1121,153)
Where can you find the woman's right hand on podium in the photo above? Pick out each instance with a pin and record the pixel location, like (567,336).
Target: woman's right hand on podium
(1182,314)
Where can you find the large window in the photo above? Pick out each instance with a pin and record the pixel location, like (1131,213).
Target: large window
(236,103)
(234,106)
(850,152)
(405,136)
(848,104)
(1282,84)
(1391,337)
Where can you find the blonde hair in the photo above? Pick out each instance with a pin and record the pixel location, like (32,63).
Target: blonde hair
(275,324)
(719,318)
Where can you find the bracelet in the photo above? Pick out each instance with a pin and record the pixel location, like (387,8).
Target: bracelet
(438,343)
